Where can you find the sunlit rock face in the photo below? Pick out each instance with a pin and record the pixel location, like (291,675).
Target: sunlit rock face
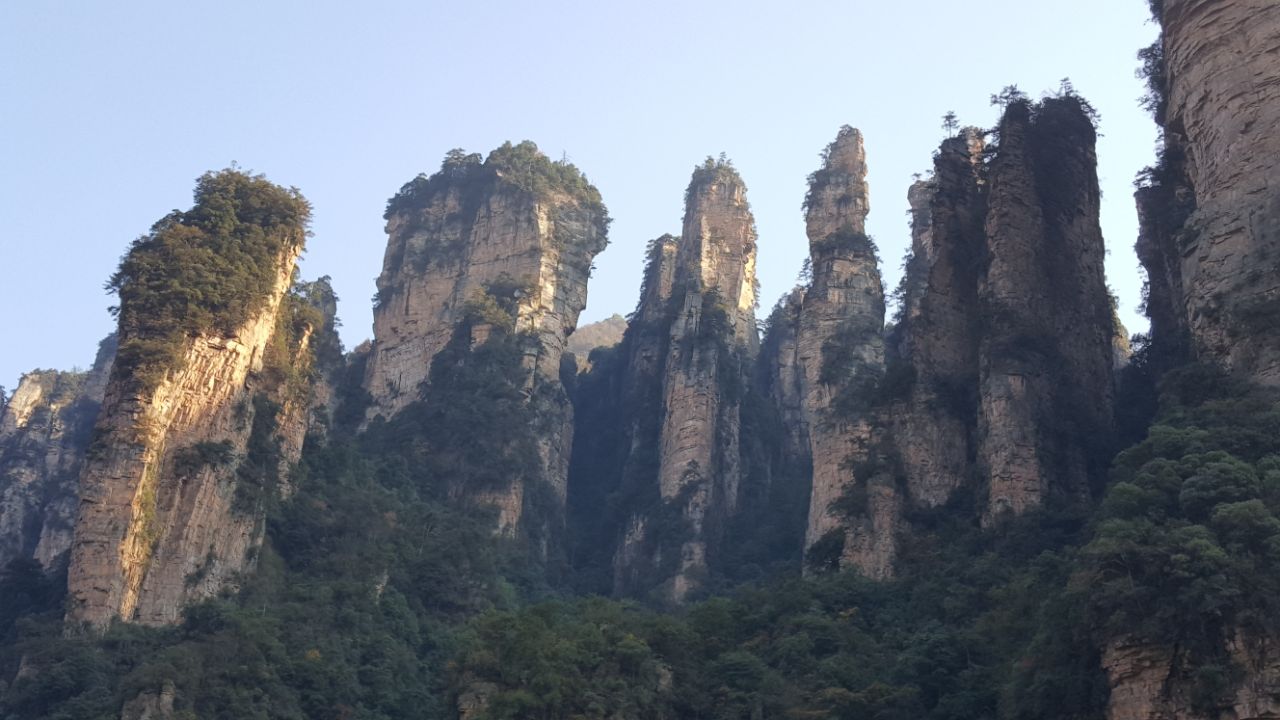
(199,423)
(839,348)
(517,225)
(155,533)
(691,345)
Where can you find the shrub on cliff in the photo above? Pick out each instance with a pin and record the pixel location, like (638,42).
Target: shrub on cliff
(204,270)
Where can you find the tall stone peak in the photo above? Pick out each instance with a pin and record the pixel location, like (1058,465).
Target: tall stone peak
(515,227)
(676,391)
(717,249)
(1003,305)
(833,331)
(1209,239)
(838,199)
(209,361)
(44,431)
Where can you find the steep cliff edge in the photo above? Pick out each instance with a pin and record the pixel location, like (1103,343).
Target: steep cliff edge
(658,470)
(44,432)
(997,375)
(1211,208)
(840,352)
(1209,213)
(515,227)
(935,340)
(1046,383)
(187,445)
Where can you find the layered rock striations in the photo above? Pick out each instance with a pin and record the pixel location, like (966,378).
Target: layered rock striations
(1153,682)
(188,443)
(997,375)
(840,353)
(1209,235)
(516,227)
(1046,383)
(935,341)
(44,431)
(1210,210)
(685,365)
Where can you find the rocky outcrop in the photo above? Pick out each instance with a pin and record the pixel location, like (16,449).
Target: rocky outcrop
(691,345)
(1152,682)
(840,353)
(515,226)
(152,704)
(188,441)
(935,343)
(1210,211)
(44,431)
(1046,383)
(782,377)
(998,370)
(712,335)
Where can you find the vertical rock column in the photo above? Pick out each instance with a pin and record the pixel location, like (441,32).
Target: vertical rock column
(840,349)
(171,493)
(151,537)
(712,338)
(936,340)
(516,224)
(1222,125)
(1046,352)
(44,431)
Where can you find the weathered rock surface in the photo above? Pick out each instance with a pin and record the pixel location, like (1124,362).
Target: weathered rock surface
(152,704)
(1150,682)
(712,335)
(840,343)
(936,341)
(685,363)
(1046,368)
(1211,230)
(44,431)
(1000,367)
(514,225)
(154,533)
(782,375)
(192,438)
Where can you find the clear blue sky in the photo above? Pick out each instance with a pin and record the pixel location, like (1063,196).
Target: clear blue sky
(109,111)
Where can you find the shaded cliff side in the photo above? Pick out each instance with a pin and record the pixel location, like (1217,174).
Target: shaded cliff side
(514,229)
(659,470)
(213,353)
(839,351)
(997,377)
(1209,212)
(44,431)
(1046,384)
(1210,209)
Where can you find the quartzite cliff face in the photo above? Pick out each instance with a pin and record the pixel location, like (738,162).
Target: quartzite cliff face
(684,368)
(1210,242)
(840,353)
(187,440)
(1211,212)
(44,430)
(517,228)
(1046,355)
(999,369)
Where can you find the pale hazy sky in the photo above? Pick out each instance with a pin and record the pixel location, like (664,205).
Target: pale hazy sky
(110,110)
